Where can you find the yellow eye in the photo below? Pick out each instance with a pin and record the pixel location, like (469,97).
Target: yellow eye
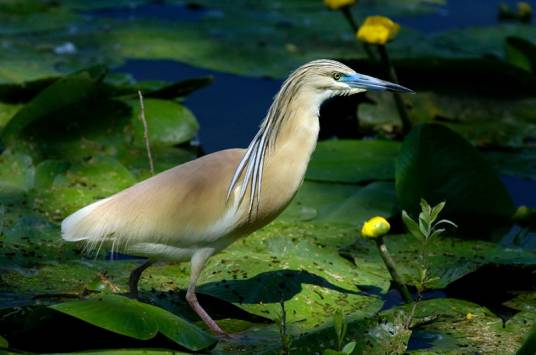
(337,76)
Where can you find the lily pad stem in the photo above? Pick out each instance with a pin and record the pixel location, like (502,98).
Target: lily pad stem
(391,267)
(399,102)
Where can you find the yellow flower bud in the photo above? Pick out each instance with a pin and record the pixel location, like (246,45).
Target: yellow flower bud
(524,9)
(377,30)
(469,316)
(375,227)
(337,4)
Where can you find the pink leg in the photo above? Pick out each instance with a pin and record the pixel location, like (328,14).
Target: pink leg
(198,261)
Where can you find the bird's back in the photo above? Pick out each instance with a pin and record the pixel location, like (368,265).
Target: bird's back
(184,207)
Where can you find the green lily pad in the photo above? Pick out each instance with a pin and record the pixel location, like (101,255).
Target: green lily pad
(136,161)
(387,332)
(341,203)
(521,53)
(438,165)
(524,301)
(16,172)
(353,161)
(3,342)
(82,184)
(137,320)
(68,91)
(529,346)
(448,259)
(168,122)
(295,264)
(32,241)
(6,112)
(476,328)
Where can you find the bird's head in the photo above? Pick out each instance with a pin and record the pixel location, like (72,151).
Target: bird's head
(328,78)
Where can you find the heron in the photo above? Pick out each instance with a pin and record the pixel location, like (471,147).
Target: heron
(198,208)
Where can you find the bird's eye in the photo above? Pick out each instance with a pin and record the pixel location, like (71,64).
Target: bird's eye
(337,76)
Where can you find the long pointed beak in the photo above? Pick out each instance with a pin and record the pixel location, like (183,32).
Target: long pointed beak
(372,84)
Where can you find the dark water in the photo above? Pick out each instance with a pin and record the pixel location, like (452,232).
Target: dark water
(229,110)
(458,14)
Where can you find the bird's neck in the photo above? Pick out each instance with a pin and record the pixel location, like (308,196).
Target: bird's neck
(287,160)
(298,133)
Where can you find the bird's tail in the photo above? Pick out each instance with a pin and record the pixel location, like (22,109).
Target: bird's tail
(82,224)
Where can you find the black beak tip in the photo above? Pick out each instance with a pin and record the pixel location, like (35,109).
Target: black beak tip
(399,88)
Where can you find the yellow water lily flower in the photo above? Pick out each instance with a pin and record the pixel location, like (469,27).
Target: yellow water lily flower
(337,4)
(375,227)
(524,9)
(377,30)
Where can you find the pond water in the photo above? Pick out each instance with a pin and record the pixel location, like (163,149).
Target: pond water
(229,110)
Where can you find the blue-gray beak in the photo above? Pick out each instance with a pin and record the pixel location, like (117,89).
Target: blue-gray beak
(372,84)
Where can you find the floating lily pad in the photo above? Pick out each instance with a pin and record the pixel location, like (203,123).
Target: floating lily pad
(137,320)
(32,241)
(448,259)
(437,165)
(168,122)
(82,184)
(521,53)
(341,203)
(16,172)
(353,161)
(295,264)
(6,112)
(3,342)
(476,328)
(71,90)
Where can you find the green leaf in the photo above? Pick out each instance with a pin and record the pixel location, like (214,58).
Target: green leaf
(437,164)
(521,53)
(424,224)
(138,320)
(46,171)
(436,210)
(340,327)
(297,263)
(412,226)
(80,185)
(449,258)
(169,123)
(349,348)
(3,342)
(478,333)
(529,346)
(68,91)
(341,203)
(7,111)
(353,161)
(426,209)
(16,173)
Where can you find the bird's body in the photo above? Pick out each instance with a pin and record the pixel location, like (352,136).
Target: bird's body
(196,209)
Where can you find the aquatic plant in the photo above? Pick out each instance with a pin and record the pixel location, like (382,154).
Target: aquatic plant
(376,228)
(425,230)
